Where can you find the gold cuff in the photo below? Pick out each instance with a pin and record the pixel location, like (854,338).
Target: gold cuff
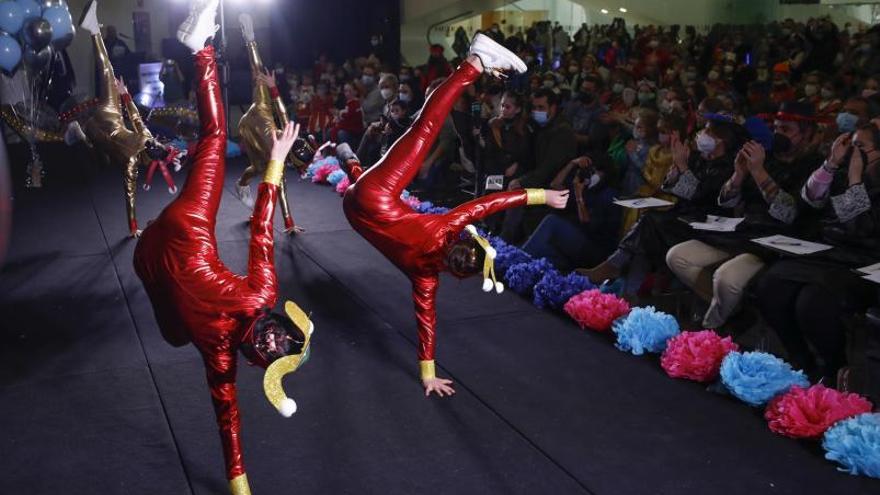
(274,172)
(536,197)
(239,485)
(426,369)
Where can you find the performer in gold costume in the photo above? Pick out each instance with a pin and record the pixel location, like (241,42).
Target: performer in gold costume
(106,129)
(259,124)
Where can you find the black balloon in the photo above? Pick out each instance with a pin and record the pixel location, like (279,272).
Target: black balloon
(37,61)
(37,33)
(63,42)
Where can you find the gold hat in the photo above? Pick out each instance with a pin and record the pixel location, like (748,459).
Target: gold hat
(489,279)
(288,364)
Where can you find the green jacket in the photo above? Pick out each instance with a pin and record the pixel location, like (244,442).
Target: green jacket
(555,146)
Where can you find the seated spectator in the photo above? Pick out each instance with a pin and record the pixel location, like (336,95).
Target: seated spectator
(764,191)
(555,145)
(372,103)
(585,112)
(807,300)
(587,234)
(657,165)
(644,137)
(350,120)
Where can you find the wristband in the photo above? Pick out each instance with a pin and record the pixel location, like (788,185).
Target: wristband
(426,370)
(536,197)
(239,485)
(274,172)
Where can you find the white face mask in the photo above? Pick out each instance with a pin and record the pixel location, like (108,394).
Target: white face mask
(404,97)
(386,93)
(827,94)
(705,144)
(810,89)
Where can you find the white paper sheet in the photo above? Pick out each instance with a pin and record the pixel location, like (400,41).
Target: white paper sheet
(870,269)
(495,183)
(717,224)
(640,203)
(791,245)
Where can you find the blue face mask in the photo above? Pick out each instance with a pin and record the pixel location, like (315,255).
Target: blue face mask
(539,117)
(846,122)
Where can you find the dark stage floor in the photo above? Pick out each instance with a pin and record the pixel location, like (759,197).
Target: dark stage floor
(93,401)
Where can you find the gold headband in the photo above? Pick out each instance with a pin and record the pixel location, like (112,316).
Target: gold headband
(489,279)
(288,364)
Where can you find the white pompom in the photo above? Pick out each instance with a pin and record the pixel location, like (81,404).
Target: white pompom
(288,407)
(471,229)
(487,285)
(499,287)
(491,253)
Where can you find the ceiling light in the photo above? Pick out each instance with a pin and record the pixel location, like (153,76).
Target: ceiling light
(623,9)
(604,11)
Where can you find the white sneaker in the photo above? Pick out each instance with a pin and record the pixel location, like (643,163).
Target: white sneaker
(74,134)
(146,187)
(247,27)
(200,26)
(244,194)
(495,58)
(89,19)
(172,190)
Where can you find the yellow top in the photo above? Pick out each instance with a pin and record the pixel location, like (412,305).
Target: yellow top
(536,197)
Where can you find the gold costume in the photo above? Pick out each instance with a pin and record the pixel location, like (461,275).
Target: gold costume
(106,129)
(257,127)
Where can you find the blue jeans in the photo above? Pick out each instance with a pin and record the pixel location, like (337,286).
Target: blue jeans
(565,244)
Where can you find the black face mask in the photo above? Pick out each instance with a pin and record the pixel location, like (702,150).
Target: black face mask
(587,97)
(781,143)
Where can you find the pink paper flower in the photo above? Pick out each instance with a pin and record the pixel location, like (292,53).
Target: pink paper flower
(696,355)
(595,310)
(342,185)
(323,172)
(808,412)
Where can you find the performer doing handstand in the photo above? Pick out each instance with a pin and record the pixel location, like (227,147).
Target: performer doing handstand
(195,297)
(422,245)
(106,129)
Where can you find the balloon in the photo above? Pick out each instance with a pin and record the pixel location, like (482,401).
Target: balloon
(59,19)
(37,61)
(37,33)
(11,17)
(10,53)
(29,8)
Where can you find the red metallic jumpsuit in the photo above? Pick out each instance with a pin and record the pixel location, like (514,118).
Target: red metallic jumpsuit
(195,297)
(417,243)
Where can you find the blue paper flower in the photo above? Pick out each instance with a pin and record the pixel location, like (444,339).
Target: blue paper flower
(336,176)
(645,330)
(854,443)
(508,256)
(757,377)
(233,150)
(555,289)
(522,277)
(436,210)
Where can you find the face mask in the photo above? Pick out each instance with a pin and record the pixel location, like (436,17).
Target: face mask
(713,75)
(666,106)
(573,69)
(728,69)
(374,42)
(810,89)
(367,80)
(663,138)
(781,143)
(846,122)
(762,74)
(867,93)
(827,94)
(405,97)
(540,117)
(654,43)
(548,84)
(691,75)
(587,97)
(386,93)
(646,97)
(404,77)
(705,144)
(617,88)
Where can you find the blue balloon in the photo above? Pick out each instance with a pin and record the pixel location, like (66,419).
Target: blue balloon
(29,8)
(11,17)
(10,53)
(59,18)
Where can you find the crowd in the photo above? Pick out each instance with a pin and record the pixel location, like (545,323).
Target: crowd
(773,124)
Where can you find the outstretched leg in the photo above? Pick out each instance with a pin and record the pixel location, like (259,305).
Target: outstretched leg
(204,186)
